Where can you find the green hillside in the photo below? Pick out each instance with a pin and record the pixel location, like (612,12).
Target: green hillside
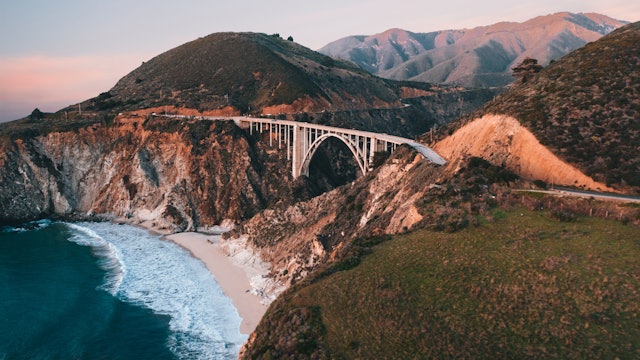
(524,286)
(586,107)
(245,70)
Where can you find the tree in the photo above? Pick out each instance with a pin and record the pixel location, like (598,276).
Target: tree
(379,157)
(290,38)
(36,115)
(526,69)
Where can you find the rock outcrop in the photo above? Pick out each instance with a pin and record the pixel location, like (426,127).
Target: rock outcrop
(178,173)
(503,141)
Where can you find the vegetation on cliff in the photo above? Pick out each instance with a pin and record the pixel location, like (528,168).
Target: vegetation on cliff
(585,108)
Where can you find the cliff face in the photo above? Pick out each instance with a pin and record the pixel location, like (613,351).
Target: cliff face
(405,193)
(179,174)
(297,239)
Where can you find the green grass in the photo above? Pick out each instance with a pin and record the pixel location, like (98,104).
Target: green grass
(524,286)
(585,107)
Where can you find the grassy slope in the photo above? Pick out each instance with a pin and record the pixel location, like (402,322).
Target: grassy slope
(524,286)
(586,107)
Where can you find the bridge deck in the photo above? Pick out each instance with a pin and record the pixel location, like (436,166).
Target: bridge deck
(424,150)
(302,139)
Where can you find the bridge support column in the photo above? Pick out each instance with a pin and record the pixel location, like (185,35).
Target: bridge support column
(302,139)
(377,146)
(299,150)
(373,147)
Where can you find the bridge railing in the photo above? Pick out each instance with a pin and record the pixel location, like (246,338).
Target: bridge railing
(300,140)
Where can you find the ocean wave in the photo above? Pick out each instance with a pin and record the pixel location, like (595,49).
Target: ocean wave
(165,278)
(109,257)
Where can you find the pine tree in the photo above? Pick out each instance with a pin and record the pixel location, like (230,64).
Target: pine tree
(526,69)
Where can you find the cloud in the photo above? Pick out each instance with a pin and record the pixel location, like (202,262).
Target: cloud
(53,82)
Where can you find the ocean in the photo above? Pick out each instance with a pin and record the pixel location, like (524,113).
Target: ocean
(107,291)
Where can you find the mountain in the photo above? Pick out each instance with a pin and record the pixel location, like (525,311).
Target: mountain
(584,109)
(479,57)
(470,260)
(259,74)
(249,72)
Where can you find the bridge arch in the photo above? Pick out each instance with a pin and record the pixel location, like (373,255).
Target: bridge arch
(301,141)
(354,148)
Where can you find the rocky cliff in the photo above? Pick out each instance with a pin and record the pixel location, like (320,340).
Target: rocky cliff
(405,193)
(178,173)
(305,235)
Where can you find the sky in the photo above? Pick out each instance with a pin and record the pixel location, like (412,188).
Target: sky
(55,53)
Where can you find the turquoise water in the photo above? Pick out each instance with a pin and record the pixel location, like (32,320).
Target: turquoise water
(108,291)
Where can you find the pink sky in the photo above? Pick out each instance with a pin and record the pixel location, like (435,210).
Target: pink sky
(58,53)
(51,83)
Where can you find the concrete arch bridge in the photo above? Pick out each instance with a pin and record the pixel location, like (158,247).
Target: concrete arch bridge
(301,140)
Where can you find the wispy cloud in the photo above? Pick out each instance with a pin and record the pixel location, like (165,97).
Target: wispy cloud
(52,82)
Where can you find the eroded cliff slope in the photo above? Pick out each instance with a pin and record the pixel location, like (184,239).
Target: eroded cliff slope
(405,193)
(178,173)
(502,140)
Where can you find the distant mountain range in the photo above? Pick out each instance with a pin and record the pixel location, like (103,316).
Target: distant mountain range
(479,57)
(584,109)
(239,73)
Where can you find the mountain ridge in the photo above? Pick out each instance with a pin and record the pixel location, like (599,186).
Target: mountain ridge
(225,74)
(584,108)
(481,56)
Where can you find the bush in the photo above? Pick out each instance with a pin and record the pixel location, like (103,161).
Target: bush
(563,215)
(540,184)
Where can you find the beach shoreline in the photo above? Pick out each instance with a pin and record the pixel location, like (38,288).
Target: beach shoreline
(233,278)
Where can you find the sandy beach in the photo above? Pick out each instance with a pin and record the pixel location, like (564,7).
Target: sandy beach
(232,277)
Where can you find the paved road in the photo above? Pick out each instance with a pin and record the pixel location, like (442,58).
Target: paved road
(588,194)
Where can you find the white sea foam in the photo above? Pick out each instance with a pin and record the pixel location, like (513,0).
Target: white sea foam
(109,257)
(165,278)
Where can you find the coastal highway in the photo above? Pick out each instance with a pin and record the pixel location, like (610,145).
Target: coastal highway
(588,194)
